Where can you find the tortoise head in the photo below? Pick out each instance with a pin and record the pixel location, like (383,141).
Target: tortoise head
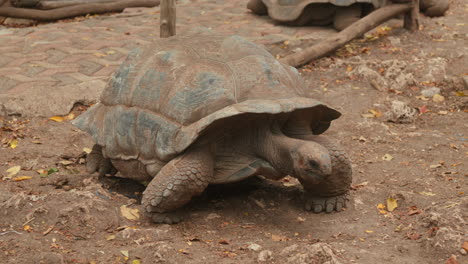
(311,162)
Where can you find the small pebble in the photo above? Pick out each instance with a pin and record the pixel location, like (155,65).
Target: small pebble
(254,247)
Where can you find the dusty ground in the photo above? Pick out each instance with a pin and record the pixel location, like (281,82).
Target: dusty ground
(420,160)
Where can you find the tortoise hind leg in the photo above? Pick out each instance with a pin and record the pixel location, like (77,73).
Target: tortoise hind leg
(176,183)
(331,194)
(345,16)
(95,161)
(258,7)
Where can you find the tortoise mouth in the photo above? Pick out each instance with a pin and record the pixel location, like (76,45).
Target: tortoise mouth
(312,176)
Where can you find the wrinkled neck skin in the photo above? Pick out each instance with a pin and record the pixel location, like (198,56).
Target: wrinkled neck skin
(291,156)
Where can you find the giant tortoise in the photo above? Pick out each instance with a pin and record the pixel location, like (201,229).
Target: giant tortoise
(340,13)
(205,108)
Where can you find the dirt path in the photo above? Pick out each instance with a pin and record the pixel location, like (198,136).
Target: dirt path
(419,160)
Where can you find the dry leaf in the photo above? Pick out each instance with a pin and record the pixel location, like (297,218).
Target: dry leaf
(87,150)
(66,162)
(465,245)
(223,242)
(369,231)
(129,213)
(387,157)
(391,204)
(375,113)
(22,178)
(124,252)
(136,261)
(452,260)
(427,193)
(110,237)
(12,172)
(278,238)
(438,98)
(381,206)
(13,143)
(98,54)
(57,118)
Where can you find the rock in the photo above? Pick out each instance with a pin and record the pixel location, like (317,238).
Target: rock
(449,226)
(373,77)
(212,216)
(463,251)
(394,41)
(465,81)
(401,113)
(288,250)
(254,247)
(265,256)
(50,258)
(316,253)
(430,92)
(436,69)
(18,22)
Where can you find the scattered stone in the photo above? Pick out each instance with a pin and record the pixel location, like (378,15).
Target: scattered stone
(438,98)
(448,223)
(18,22)
(315,253)
(463,251)
(212,216)
(436,69)
(401,113)
(265,256)
(430,92)
(465,81)
(254,247)
(288,250)
(394,41)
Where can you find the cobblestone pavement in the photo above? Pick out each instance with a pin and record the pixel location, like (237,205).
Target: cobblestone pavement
(45,69)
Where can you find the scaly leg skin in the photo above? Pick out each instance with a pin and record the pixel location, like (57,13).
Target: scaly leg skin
(176,183)
(95,161)
(332,194)
(346,16)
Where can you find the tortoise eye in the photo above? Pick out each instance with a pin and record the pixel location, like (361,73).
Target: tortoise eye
(313,164)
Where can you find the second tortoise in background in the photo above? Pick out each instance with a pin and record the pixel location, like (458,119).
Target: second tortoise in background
(339,13)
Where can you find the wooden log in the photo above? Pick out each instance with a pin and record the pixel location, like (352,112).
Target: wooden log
(355,30)
(52,4)
(411,19)
(168,19)
(25,3)
(72,11)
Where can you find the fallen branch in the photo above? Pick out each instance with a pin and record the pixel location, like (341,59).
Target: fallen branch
(52,4)
(353,31)
(72,11)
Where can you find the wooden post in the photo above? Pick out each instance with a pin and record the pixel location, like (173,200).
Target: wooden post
(412,17)
(168,18)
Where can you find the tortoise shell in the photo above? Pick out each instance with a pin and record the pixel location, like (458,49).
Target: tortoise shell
(164,96)
(290,10)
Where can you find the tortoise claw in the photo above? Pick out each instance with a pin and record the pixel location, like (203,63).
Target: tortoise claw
(166,218)
(325,204)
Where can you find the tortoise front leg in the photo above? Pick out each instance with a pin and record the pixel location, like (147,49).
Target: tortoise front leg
(176,183)
(331,194)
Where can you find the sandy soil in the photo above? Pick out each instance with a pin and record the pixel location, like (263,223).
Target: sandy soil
(414,153)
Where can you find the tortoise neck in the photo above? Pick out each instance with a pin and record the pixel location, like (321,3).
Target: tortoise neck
(276,148)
